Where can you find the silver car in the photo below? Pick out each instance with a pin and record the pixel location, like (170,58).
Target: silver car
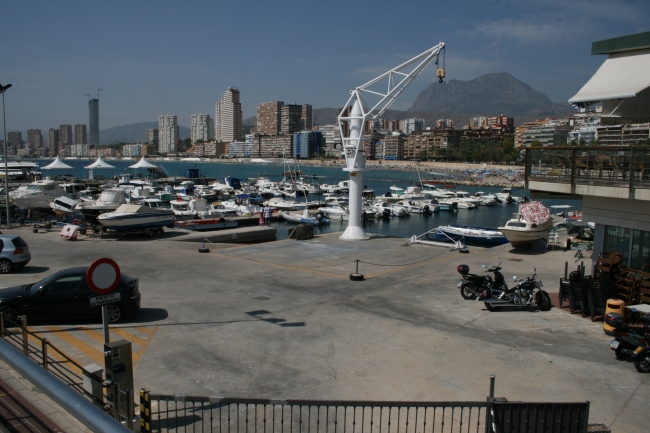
(14,253)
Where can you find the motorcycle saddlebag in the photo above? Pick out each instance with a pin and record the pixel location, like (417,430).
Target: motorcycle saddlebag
(615,320)
(463,269)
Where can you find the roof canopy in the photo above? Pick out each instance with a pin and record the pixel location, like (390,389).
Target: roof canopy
(100,163)
(623,75)
(143,163)
(57,164)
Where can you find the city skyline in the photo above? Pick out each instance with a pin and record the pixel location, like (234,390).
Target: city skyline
(545,44)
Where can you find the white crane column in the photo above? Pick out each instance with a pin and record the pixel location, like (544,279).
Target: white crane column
(356,165)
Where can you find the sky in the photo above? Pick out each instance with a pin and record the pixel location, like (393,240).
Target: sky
(178,57)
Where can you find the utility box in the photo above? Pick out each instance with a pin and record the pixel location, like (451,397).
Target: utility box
(92,384)
(118,363)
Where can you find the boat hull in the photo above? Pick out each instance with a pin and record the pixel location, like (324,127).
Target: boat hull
(122,221)
(206,224)
(482,235)
(523,238)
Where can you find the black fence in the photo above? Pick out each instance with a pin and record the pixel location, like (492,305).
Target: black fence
(178,413)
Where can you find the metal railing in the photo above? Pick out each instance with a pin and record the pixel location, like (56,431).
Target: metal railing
(64,367)
(179,413)
(618,166)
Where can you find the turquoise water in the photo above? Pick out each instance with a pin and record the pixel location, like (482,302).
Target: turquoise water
(378,179)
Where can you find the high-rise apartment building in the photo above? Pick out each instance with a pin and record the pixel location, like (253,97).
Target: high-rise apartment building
(167,133)
(15,139)
(291,118)
(228,116)
(80,134)
(152,136)
(93,121)
(53,141)
(202,128)
(269,117)
(35,138)
(65,135)
(307,117)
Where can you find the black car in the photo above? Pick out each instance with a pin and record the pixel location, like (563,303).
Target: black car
(65,295)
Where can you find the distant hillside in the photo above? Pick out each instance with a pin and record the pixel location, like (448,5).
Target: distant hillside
(489,94)
(133,133)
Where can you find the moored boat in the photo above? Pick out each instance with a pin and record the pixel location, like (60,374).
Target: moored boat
(485,235)
(133,216)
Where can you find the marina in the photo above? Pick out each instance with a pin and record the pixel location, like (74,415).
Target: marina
(418,215)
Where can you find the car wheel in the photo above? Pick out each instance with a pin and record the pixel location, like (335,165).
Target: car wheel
(115,313)
(10,314)
(6,266)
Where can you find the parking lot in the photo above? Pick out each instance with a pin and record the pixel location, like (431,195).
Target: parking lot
(283,320)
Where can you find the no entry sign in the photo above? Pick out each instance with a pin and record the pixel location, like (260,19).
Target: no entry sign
(103,275)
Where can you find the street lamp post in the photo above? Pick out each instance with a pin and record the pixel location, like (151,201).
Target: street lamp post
(3,89)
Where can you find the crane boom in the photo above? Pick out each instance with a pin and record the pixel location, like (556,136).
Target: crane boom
(353,145)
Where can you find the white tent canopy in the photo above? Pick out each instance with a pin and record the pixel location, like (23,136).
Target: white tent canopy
(143,163)
(57,164)
(622,76)
(100,163)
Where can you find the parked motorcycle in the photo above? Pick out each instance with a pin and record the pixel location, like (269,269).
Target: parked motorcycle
(629,342)
(471,285)
(526,293)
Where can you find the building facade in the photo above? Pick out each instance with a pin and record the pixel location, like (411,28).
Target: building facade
(290,119)
(307,117)
(93,121)
(307,144)
(273,146)
(554,133)
(132,150)
(228,116)
(332,137)
(152,136)
(202,128)
(393,146)
(269,118)
(167,133)
(53,141)
(35,138)
(80,134)
(410,125)
(65,135)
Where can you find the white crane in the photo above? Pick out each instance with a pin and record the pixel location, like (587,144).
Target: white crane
(354,144)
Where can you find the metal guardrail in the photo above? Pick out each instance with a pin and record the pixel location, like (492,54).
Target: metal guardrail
(180,413)
(617,166)
(92,417)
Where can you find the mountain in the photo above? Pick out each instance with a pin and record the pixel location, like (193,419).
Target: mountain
(133,133)
(489,95)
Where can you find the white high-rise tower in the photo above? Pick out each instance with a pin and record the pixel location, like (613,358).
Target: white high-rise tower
(228,116)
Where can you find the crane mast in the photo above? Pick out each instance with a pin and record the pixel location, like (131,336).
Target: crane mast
(354,143)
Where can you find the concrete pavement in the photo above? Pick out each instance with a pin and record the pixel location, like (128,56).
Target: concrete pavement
(282,319)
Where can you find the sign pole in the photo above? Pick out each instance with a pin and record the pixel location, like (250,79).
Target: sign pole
(107,338)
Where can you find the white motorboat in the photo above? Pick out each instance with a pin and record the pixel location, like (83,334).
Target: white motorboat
(134,216)
(286,205)
(108,201)
(414,207)
(447,204)
(304,217)
(395,209)
(181,208)
(465,197)
(38,195)
(460,204)
(484,235)
(486,199)
(531,224)
(334,211)
(63,207)
(333,189)
(242,209)
(521,232)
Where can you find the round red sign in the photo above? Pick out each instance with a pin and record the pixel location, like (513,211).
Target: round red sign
(103,275)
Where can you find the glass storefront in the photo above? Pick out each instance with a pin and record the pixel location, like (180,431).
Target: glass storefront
(634,244)
(640,254)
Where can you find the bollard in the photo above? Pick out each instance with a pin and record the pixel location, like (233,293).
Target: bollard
(44,350)
(145,411)
(23,324)
(492,380)
(357,276)
(203,249)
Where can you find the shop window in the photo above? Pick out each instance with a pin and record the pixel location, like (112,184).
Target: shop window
(617,239)
(640,249)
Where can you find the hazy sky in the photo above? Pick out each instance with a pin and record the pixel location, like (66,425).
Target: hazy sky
(178,57)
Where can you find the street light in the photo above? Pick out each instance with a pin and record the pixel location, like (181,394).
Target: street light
(3,89)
